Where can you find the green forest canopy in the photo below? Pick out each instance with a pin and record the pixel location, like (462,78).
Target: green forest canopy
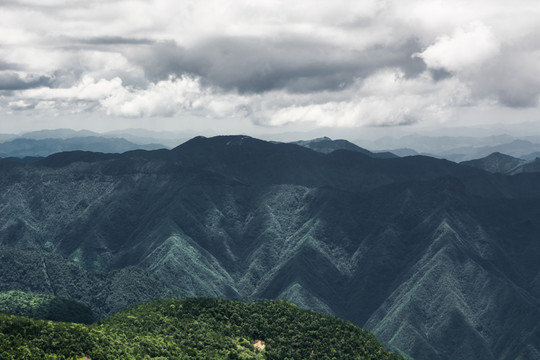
(193,329)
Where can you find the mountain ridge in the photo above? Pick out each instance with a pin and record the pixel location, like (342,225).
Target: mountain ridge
(343,232)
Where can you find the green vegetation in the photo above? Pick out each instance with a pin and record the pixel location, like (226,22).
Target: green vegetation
(193,329)
(44,307)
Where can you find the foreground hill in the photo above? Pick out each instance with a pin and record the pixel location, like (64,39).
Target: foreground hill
(193,329)
(437,259)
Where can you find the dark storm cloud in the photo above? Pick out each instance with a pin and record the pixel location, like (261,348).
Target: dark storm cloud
(523,99)
(440,74)
(509,78)
(113,40)
(8,66)
(10,81)
(10,3)
(159,60)
(519,94)
(259,65)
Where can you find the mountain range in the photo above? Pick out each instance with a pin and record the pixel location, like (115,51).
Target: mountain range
(23,147)
(439,260)
(458,148)
(454,148)
(137,136)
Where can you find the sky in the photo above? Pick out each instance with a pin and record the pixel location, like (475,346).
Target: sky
(269,66)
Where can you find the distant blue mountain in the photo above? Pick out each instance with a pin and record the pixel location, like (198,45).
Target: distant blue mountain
(459,148)
(24,147)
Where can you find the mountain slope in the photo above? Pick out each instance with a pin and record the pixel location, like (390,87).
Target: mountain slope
(194,329)
(369,240)
(46,307)
(530,166)
(496,163)
(504,164)
(105,292)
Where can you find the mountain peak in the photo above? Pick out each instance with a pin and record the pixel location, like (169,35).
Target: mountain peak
(218,141)
(238,140)
(326,145)
(496,163)
(324,138)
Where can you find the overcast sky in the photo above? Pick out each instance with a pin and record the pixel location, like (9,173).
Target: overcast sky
(258,65)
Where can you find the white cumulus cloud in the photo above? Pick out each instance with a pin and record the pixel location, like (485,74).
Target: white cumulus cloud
(464,48)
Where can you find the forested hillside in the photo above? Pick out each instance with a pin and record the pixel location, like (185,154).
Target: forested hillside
(45,307)
(193,329)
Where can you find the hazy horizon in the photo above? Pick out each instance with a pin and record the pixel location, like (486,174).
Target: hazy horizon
(520,131)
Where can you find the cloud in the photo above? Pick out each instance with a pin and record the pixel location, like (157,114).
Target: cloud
(295,64)
(509,78)
(8,66)
(339,63)
(386,98)
(83,97)
(172,97)
(165,98)
(10,80)
(87,89)
(20,105)
(463,49)
(494,70)
(113,40)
